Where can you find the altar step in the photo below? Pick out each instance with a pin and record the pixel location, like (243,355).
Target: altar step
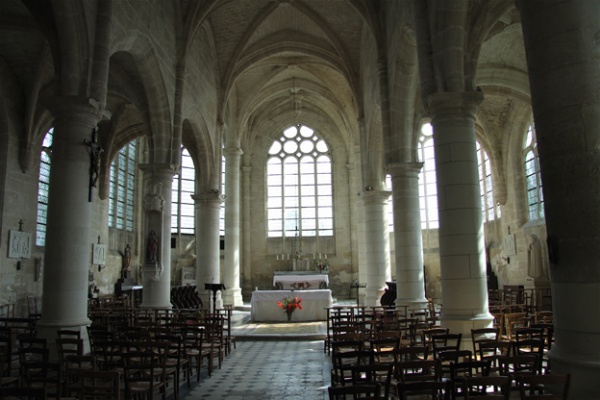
(246,330)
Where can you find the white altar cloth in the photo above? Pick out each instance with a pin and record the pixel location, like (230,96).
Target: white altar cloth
(263,305)
(313,280)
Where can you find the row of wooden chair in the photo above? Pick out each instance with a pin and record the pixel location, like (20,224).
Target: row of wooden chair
(534,387)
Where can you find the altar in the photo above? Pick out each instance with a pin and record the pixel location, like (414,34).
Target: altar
(301,281)
(264,308)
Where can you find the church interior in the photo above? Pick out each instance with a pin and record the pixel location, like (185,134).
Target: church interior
(422,154)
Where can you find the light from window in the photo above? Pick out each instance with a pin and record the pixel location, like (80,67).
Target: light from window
(222,208)
(182,205)
(299,185)
(427,180)
(43,189)
(122,188)
(533,177)
(489,208)
(390,205)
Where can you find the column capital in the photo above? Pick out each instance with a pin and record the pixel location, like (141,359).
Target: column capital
(232,151)
(407,169)
(376,196)
(209,197)
(166,170)
(452,104)
(75,108)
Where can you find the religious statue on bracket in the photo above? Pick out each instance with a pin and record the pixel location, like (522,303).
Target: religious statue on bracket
(126,256)
(153,267)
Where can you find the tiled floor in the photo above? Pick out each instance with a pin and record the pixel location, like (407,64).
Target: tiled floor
(281,364)
(268,369)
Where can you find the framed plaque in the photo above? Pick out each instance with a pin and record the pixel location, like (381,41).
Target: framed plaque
(19,244)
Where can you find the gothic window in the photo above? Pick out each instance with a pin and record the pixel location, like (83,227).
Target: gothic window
(43,188)
(533,177)
(182,204)
(121,191)
(490,209)
(390,205)
(427,180)
(299,185)
(222,208)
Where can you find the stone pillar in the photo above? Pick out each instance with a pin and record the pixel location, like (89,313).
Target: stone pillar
(156,256)
(410,280)
(246,226)
(377,269)
(69,235)
(231,270)
(462,248)
(563,58)
(208,253)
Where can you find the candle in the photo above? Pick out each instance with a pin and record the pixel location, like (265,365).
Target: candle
(326,256)
(277,257)
(319,256)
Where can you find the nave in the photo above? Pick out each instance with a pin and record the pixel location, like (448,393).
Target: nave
(269,370)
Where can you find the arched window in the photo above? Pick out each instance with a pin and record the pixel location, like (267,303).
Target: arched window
(43,188)
(299,185)
(490,209)
(390,205)
(182,204)
(222,208)
(121,191)
(427,180)
(533,177)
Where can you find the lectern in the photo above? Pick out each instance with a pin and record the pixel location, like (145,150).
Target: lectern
(215,287)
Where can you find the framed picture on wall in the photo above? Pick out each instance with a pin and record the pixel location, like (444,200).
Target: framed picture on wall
(19,244)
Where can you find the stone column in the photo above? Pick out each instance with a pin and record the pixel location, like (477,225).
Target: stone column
(231,270)
(208,253)
(563,58)
(410,280)
(377,269)
(69,235)
(156,257)
(462,248)
(246,226)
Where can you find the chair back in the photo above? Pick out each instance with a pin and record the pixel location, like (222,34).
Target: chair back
(362,391)
(547,386)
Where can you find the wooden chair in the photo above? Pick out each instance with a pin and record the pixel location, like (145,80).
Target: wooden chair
(441,390)
(493,351)
(419,370)
(341,373)
(141,375)
(193,349)
(68,347)
(430,332)
(445,342)
(544,387)
(373,374)
(22,393)
(483,335)
(363,391)
(486,388)
(6,379)
(176,359)
(513,321)
(100,385)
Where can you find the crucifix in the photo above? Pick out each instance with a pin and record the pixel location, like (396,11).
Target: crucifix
(21,225)
(95,151)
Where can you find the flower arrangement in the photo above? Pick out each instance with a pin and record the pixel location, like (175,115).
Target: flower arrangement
(289,304)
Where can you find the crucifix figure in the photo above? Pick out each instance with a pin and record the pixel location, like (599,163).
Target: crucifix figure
(95,151)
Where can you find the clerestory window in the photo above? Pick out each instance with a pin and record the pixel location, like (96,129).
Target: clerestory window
(533,177)
(490,209)
(182,205)
(121,191)
(428,180)
(43,189)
